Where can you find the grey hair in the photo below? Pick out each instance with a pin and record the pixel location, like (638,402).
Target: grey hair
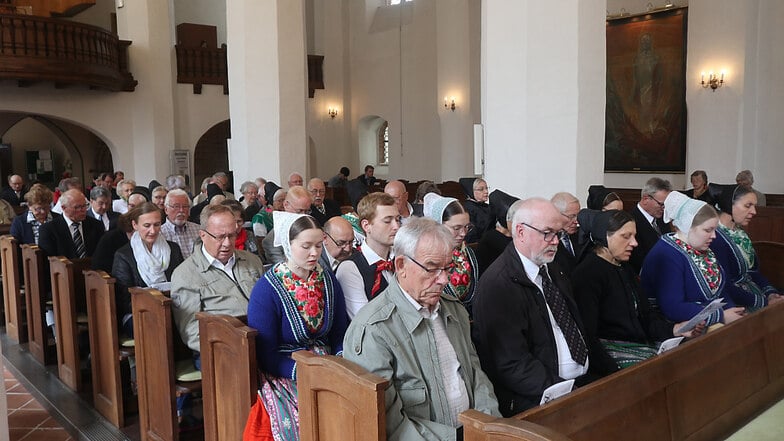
(476,183)
(245,185)
(655,184)
(280,194)
(66,198)
(205,182)
(745,175)
(175,181)
(159,188)
(177,192)
(522,211)
(562,200)
(416,229)
(99,192)
(220,175)
(126,182)
(66,183)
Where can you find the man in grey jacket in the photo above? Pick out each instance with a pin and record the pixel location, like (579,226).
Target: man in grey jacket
(216,278)
(421,341)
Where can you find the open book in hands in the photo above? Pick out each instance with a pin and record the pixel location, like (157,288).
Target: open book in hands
(709,309)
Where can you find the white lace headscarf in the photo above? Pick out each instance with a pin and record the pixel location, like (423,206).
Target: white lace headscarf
(282,221)
(434,206)
(681,209)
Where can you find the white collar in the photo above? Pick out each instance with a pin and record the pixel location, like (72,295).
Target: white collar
(217,263)
(645,213)
(531,269)
(424,312)
(370,255)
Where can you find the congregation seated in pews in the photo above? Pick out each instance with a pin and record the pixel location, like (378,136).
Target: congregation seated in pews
(423,367)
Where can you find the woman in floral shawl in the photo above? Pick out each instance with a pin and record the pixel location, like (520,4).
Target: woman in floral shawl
(733,248)
(464,271)
(295,306)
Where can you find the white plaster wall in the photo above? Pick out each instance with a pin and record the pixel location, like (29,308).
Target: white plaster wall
(541,101)
(28,135)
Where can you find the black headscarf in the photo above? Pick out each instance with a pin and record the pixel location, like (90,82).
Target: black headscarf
(723,194)
(499,205)
(468,186)
(270,188)
(596,196)
(212,191)
(595,223)
(142,191)
(153,185)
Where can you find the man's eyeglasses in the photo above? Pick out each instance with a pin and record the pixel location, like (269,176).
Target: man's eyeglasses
(661,204)
(571,217)
(179,207)
(434,272)
(342,243)
(220,238)
(549,235)
(317,192)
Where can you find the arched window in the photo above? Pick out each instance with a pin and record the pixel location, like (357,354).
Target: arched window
(383,144)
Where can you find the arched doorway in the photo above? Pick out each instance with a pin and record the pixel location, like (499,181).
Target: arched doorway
(212,153)
(46,149)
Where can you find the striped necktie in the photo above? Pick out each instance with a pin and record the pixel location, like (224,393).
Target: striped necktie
(81,251)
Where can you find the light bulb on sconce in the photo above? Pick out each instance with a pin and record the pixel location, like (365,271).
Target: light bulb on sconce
(449,103)
(332,112)
(714,81)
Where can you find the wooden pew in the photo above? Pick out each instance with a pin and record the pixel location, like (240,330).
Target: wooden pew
(704,389)
(157,346)
(478,426)
(229,375)
(767,225)
(69,310)
(105,351)
(338,400)
(35,277)
(13,299)
(771,260)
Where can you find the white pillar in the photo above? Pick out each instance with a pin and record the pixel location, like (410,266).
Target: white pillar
(149,24)
(267,88)
(543,82)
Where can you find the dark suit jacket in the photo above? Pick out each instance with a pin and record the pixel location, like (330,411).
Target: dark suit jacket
(513,334)
(55,237)
(111,214)
(331,209)
(103,257)
(22,231)
(127,274)
(8,194)
(646,238)
(564,259)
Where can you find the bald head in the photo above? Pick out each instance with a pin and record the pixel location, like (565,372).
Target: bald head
(74,205)
(397,190)
(568,205)
(298,200)
(295,180)
(535,224)
(339,238)
(135,199)
(16,182)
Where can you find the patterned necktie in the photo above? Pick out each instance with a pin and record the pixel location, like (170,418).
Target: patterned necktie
(81,251)
(567,243)
(380,267)
(564,319)
(321,209)
(656,227)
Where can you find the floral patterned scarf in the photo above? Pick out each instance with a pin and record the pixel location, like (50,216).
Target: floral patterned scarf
(308,294)
(743,241)
(460,276)
(705,261)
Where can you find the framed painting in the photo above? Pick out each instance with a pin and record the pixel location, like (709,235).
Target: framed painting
(645,119)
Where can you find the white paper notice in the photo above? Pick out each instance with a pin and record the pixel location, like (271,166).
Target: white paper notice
(712,307)
(556,390)
(670,343)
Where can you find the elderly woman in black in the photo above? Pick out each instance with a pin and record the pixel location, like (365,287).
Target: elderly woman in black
(621,328)
(477,207)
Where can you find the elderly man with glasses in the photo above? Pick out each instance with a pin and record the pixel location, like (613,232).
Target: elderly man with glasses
(216,278)
(420,340)
(322,209)
(338,243)
(648,217)
(527,327)
(177,228)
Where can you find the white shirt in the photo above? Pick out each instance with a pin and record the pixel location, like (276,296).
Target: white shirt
(120,206)
(218,264)
(70,227)
(645,213)
(352,283)
(103,218)
(567,367)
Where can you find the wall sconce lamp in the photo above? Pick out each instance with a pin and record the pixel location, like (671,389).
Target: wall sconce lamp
(714,80)
(449,103)
(332,112)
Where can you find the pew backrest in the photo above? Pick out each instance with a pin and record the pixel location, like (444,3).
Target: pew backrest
(152,332)
(229,374)
(35,277)
(479,426)
(104,346)
(338,400)
(704,389)
(13,301)
(69,303)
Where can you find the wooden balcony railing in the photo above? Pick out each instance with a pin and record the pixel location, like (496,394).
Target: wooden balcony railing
(199,66)
(34,49)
